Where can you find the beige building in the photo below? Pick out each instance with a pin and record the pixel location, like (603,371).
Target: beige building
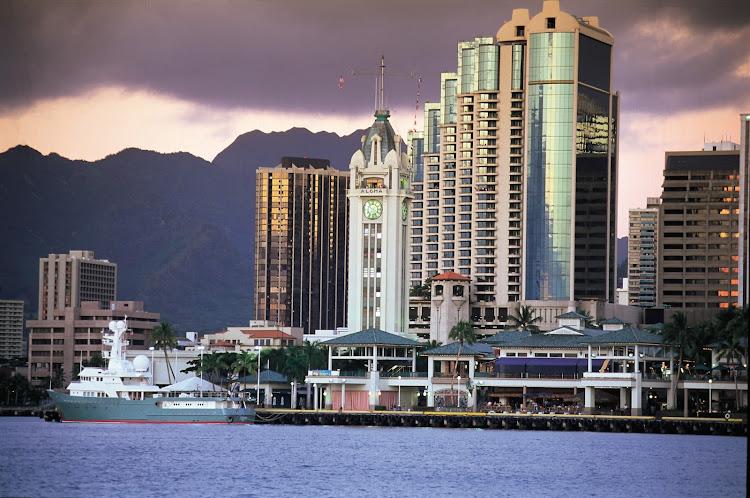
(67,280)
(11,329)
(699,229)
(61,342)
(520,168)
(258,333)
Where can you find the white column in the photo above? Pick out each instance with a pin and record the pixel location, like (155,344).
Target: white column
(315,397)
(471,368)
(430,396)
(590,363)
(636,398)
(413,359)
(330,358)
(589,405)
(637,359)
(343,395)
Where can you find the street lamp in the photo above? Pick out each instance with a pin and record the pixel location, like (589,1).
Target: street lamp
(151,348)
(201,348)
(710,403)
(257,377)
(399,392)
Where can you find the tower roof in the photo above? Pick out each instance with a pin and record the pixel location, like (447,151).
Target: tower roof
(382,128)
(450,275)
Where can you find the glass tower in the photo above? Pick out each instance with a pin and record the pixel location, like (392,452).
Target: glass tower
(301,245)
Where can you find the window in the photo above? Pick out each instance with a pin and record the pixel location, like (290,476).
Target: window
(550,23)
(519,31)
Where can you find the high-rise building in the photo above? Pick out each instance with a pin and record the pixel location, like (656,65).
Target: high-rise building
(11,329)
(68,337)
(67,280)
(520,166)
(643,242)
(699,229)
(301,252)
(380,198)
(743,294)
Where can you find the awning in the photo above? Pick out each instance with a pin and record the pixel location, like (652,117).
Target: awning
(545,365)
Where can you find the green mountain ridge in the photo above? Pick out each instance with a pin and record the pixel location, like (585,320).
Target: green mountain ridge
(180,228)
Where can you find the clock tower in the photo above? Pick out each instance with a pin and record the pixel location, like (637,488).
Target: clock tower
(379,202)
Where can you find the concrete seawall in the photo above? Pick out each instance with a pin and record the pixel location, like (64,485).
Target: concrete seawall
(597,423)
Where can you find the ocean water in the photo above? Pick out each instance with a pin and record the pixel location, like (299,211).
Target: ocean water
(40,458)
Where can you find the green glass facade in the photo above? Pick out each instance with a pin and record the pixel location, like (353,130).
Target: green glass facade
(550,166)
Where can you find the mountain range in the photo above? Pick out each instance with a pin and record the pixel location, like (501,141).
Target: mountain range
(180,228)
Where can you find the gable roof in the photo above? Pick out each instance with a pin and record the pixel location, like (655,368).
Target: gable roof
(615,321)
(504,336)
(268,334)
(370,337)
(573,314)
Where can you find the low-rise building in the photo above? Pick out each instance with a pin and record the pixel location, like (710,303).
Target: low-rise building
(59,344)
(257,333)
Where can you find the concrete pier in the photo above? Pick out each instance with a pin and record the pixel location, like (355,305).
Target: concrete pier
(512,421)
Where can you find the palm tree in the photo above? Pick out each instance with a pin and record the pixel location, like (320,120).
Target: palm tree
(163,338)
(525,320)
(244,362)
(215,364)
(733,337)
(738,327)
(588,321)
(676,332)
(461,332)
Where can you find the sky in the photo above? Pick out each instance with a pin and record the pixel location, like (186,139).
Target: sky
(88,78)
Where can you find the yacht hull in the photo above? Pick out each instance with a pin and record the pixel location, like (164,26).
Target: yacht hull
(165,410)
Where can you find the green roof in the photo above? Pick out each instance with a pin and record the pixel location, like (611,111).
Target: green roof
(615,321)
(504,336)
(476,349)
(551,341)
(627,335)
(265,376)
(370,337)
(573,314)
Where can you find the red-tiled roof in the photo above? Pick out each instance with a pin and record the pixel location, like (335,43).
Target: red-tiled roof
(268,334)
(222,344)
(450,275)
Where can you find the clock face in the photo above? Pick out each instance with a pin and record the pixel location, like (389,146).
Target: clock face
(403,210)
(373,209)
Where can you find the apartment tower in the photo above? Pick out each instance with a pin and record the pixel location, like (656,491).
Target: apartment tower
(643,243)
(520,167)
(11,329)
(67,280)
(699,229)
(301,252)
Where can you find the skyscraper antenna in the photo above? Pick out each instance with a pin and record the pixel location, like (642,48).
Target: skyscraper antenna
(380,82)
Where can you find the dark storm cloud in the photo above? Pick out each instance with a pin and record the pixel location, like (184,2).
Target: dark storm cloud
(289,54)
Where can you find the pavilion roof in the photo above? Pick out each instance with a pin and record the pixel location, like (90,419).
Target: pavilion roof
(627,335)
(370,337)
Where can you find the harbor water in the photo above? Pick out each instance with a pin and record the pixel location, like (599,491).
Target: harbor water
(40,458)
